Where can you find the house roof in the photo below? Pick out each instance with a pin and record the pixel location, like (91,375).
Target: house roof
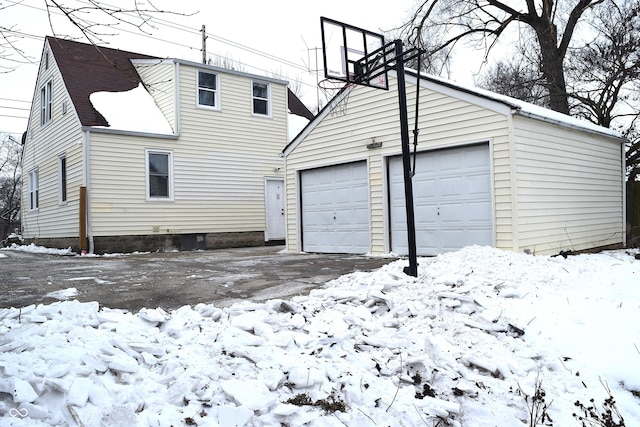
(87,68)
(297,107)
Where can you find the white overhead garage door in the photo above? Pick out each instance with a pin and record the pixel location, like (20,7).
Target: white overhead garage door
(452,200)
(335,209)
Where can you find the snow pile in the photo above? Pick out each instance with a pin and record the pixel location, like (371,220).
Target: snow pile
(33,248)
(466,341)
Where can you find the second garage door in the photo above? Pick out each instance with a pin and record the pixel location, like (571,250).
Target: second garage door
(452,200)
(335,209)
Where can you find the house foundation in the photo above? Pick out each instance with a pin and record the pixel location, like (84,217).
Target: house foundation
(158,242)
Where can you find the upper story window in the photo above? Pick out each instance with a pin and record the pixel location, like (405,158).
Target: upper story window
(159,175)
(208,90)
(46,102)
(261,98)
(33,190)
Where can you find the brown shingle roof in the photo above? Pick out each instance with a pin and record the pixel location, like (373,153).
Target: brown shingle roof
(86,69)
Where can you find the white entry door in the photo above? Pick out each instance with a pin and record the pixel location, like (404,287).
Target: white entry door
(274,205)
(452,200)
(335,209)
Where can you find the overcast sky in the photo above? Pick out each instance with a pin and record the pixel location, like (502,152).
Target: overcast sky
(252,32)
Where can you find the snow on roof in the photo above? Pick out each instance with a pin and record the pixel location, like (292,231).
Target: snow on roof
(526,108)
(133,110)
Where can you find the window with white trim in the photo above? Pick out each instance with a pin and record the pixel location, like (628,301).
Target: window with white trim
(46,102)
(62,178)
(208,90)
(33,190)
(159,175)
(261,93)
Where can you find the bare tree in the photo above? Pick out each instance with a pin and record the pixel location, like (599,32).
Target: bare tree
(226,61)
(552,23)
(93,20)
(633,151)
(603,73)
(10,184)
(516,78)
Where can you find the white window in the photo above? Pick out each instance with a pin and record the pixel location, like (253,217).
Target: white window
(261,98)
(46,101)
(159,175)
(62,178)
(208,90)
(33,190)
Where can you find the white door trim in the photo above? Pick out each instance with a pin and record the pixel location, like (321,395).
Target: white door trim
(274,209)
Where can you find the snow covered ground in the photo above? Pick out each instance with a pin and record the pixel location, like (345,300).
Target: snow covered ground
(463,344)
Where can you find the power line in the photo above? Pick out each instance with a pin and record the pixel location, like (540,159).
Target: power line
(15,100)
(15,108)
(159,22)
(14,117)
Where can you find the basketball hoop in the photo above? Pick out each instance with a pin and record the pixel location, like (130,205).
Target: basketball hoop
(336,93)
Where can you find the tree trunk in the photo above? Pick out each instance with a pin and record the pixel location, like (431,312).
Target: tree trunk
(551,61)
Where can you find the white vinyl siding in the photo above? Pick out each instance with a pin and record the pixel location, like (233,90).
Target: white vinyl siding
(42,149)
(160,81)
(554,186)
(220,162)
(373,114)
(569,193)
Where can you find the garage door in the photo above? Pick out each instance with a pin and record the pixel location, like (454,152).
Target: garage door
(335,209)
(452,200)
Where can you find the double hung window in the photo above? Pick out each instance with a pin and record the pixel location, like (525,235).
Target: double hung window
(46,102)
(33,190)
(261,98)
(62,172)
(159,175)
(208,90)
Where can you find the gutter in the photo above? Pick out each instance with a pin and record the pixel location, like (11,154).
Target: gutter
(129,132)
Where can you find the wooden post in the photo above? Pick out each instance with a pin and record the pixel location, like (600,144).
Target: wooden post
(82,220)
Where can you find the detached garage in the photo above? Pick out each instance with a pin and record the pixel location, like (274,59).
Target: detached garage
(489,170)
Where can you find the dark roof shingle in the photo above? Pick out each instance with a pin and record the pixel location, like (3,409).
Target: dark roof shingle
(87,68)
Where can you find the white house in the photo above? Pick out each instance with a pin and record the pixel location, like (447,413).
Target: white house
(128,152)
(490,170)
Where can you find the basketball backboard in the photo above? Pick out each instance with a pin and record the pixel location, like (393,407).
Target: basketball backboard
(344,47)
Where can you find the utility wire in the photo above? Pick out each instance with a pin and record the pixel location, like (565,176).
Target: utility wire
(162,22)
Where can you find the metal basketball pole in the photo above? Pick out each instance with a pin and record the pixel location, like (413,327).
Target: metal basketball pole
(412,270)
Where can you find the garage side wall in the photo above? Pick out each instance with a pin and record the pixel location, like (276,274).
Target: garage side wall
(569,188)
(372,117)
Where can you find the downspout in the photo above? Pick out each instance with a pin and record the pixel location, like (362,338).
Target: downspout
(624,195)
(87,162)
(177,98)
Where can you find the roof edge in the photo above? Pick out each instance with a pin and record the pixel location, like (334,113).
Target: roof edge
(96,129)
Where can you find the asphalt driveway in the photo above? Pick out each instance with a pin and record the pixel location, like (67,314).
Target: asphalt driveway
(171,280)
